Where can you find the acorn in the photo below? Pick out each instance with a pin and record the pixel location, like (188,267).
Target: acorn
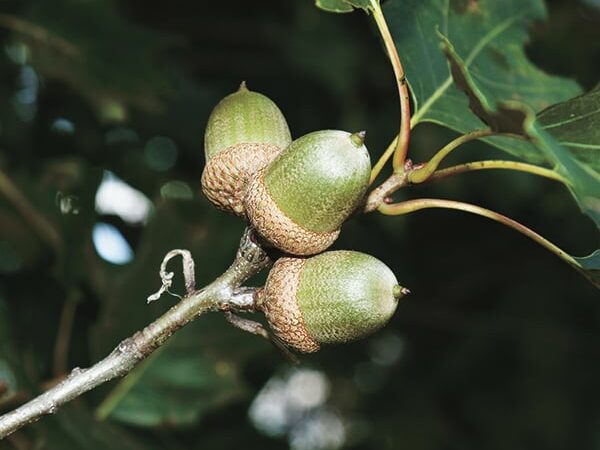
(245,132)
(299,202)
(335,297)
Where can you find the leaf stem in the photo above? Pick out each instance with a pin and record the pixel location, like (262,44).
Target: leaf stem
(422,174)
(401,142)
(425,203)
(497,164)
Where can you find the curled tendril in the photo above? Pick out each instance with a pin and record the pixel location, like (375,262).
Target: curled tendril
(167,277)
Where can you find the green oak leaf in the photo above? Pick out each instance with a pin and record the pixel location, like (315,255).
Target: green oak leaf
(576,124)
(591,264)
(502,117)
(489,36)
(584,181)
(343,6)
(518,118)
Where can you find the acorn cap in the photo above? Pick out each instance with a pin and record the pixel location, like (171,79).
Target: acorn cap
(280,306)
(277,228)
(312,187)
(334,297)
(227,174)
(245,133)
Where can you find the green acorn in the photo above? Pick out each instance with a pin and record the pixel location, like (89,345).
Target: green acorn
(299,202)
(334,297)
(245,132)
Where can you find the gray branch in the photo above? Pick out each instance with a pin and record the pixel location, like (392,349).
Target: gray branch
(222,294)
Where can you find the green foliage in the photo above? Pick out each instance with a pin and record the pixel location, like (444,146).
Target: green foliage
(113,74)
(489,36)
(517,118)
(575,124)
(592,265)
(192,374)
(344,6)
(198,369)
(75,429)
(11,376)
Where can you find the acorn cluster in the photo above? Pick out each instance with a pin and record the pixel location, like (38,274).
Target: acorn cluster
(296,195)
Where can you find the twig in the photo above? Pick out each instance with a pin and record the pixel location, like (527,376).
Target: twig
(40,225)
(219,295)
(63,337)
(38,33)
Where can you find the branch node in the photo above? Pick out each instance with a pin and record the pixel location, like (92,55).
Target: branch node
(250,249)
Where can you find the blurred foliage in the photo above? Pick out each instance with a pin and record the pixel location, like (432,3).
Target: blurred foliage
(496,348)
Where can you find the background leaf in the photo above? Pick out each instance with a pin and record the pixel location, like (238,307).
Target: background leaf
(113,75)
(187,377)
(198,369)
(343,6)
(336,6)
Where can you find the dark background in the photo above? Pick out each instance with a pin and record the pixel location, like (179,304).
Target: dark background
(498,346)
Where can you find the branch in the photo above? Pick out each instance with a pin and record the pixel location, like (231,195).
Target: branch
(40,225)
(221,294)
(63,336)
(378,195)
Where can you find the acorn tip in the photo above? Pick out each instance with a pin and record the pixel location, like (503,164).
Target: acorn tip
(243,87)
(358,138)
(400,291)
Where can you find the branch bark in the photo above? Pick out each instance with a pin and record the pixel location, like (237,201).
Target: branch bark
(378,196)
(222,294)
